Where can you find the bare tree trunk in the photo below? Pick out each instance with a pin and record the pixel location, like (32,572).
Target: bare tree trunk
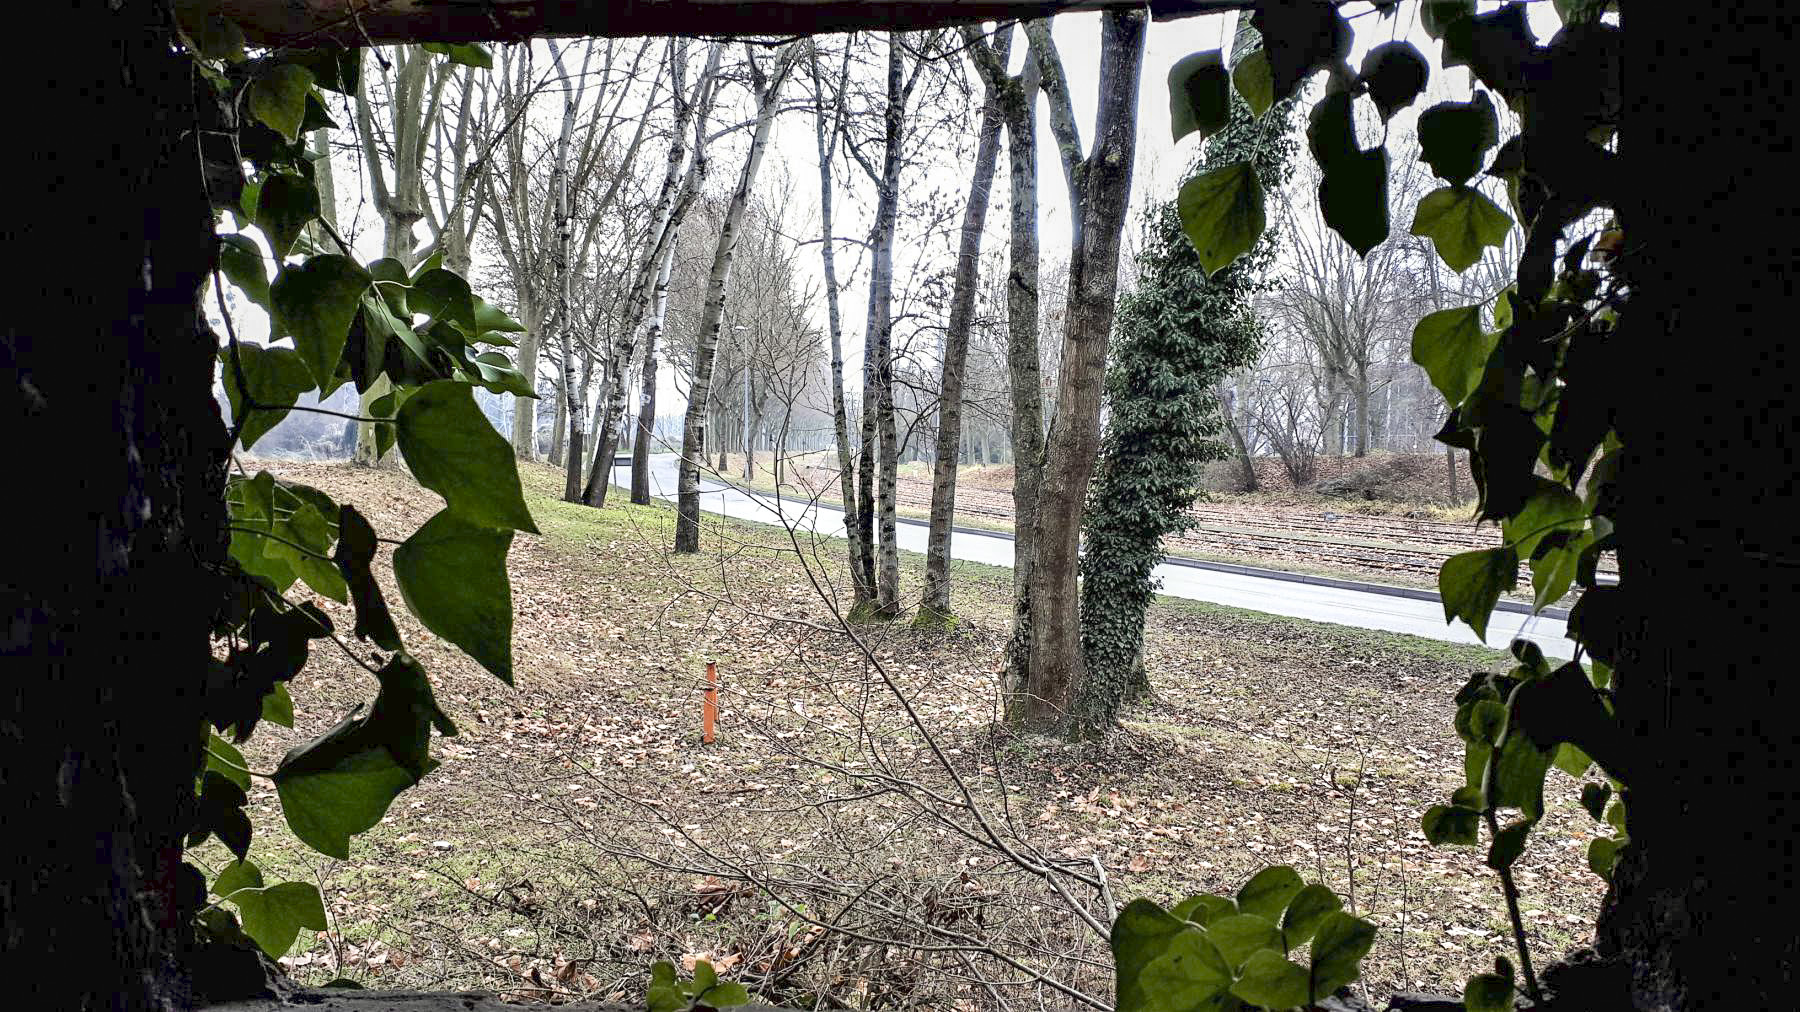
(1018,105)
(573,394)
(1100,186)
(1237,441)
(640,450)
(560,430)
(687,519)
(934,603)
(878,346)
(1362,411)
(678,193)
(862,559)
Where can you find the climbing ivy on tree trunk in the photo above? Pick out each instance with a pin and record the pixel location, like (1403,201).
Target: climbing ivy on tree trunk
(1176,335)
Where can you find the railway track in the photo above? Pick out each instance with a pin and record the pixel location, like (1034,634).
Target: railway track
(1271,534)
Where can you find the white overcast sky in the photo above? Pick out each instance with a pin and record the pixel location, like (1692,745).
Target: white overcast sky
(792,169)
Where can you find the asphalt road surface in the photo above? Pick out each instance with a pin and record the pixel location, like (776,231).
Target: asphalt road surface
(1343,602)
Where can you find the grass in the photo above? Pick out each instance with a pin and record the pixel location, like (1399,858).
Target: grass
(523,865)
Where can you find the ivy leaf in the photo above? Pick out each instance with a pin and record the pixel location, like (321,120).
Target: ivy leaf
(278,97)
(326,807)
(1268,891)
(311,538)
(276,377)
(443,295)
(1497,46)
(224,759)
(1594,798)
(333,69)
(1461,222)
(1449,824)
(1354,199)
(1488,992)
(1471,583)
(1337,951)
(1396,73)
(1199,95)
(664,994)
(273,916)
(1519,776)
(242,263)
(1271,981)
(1438,15)
(278,706)
(237,875)
(1453,350)
(452,575)
(1255,81)
(1300,37)
(725,994)
(1222,214)
(1487,720)
(1603,856)
(284,204)
(466,53)
(1569,758)
(1331,130)
(497,374)
(342,782)
(1204,909)
(1306,912)
(1454,136)
(1551,509)
(219,38)
(355,551)
(455,451)
(1240,935)
(220,812)
(1508,844)
(493,324)
(393,283)
(315,302)
(1142,932)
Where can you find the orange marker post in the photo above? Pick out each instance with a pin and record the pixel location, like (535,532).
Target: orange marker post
(709,707)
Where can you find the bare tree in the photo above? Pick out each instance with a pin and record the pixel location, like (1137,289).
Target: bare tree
(862,556)
(1018,107)
(1099,189)
(934,603)
(677,194)
(766,89)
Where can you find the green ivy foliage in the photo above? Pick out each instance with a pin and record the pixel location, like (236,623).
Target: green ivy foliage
(1176,335)
(1529,396)
(1213,952)
(353,323)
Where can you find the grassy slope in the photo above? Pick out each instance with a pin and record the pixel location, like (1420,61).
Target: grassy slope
(1269,740)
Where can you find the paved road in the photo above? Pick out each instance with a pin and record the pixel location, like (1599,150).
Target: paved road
(1365,606)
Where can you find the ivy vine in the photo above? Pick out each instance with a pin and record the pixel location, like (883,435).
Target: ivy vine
(344,322)
(1525,379)
(1177,333)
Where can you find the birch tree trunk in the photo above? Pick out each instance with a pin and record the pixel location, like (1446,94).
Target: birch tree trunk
(640,449)
(1018,105)
(768,91)
(676,196)
(934,603)
(573,394)
(878,351)
(1100,189)
(862,558)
